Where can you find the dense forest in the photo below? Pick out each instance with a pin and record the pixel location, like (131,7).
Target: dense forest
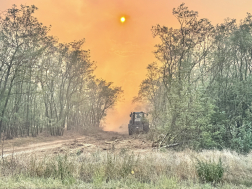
(199,90)
(200,87)
(46,85)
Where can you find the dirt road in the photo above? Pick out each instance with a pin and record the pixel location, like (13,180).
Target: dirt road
(76,143)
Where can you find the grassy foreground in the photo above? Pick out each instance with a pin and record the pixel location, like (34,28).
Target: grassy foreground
(124,169)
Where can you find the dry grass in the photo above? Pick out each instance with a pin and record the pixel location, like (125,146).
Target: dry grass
(106,167)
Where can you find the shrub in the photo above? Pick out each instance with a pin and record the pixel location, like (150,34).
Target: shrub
(58,167)
(209,171)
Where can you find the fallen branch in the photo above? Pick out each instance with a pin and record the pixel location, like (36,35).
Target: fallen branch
(160,143)
(171,145)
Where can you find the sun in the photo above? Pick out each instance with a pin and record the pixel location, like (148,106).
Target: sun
(122,19)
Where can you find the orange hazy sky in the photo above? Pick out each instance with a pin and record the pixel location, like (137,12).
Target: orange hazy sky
(122,51)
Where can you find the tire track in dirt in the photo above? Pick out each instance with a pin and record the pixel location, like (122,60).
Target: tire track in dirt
(90,142)
(37,147)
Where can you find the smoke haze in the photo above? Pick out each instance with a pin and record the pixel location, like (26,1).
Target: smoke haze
(122,51)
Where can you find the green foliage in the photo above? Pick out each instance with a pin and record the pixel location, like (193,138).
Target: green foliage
(242,142)
(209,171)
(128,164)
(199,91)
(59,168)
(45,84)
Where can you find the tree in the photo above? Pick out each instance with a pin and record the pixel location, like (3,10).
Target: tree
(22,39)
(181,52)
(45,85)
(200,88)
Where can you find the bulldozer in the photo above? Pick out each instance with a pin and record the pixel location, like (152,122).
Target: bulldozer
(138,123)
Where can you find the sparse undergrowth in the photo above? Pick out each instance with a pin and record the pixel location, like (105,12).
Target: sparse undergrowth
(127,170)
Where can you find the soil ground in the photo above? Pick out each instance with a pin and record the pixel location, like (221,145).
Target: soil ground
(74,141)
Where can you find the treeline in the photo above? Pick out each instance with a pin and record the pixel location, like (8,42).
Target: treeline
(45,84)
(200,88)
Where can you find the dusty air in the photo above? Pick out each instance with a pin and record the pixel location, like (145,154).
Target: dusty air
(125,94)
